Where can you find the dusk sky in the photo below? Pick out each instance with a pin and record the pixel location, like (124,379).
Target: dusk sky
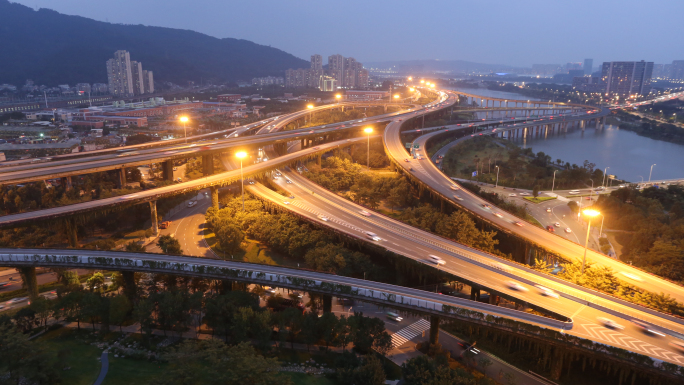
(519,33)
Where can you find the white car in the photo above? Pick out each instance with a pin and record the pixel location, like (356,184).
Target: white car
(524,194)
(269,290)
(323,218)
(453,187)
(498,214)
(513,195)
(436,260)
(567,230)
(393,316)
(557,224)
(287,202)
(365,213)
(288,181)
(545,291)
(373,236)
(609,323)
(632,276)
(516,286)
(18,299)
(548,209)
(458,198)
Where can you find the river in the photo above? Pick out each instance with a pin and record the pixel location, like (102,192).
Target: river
(628,155)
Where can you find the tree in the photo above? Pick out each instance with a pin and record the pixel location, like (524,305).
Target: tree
(484,363)
(169,245)
(370,373)
(23,361)
(205,361)
(422,370)
(43,310)
(573,206)
(535,190)
(135,247)
(96,282)
(71,306)
(369,333)
(229,237)
(119,307)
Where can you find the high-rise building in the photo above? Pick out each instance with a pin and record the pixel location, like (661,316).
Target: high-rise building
(336,68)
(588,65)
(148,81)
(573,66)
(677,70)
(627,77)
(137,76)
(119,74)
(362,80)
(316,62)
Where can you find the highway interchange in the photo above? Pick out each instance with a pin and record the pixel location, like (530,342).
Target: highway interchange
(471,264)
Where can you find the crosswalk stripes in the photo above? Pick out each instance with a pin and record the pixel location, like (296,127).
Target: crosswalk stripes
(406,334)
(599,332)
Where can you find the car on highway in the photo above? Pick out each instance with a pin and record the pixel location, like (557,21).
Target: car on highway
(574,192)
(406,160)
(192,203)
(6,283)
(311,132)
(393,316)
(548,209)
(498,214)
(288,181)
(18,299)
(518,223)
(557,224)
(365,213)
(524,194)
(609,323)
(678,344)
(287,202)
(165,225)
(516,286)
(647,328)
(435,259)
(631,276)
(269,290)
(486,206)
(545,291)
(458,197)
(251,182)
(323,218)
(453,187)
(567,230)
(550,228)
(373,236)
(512,195)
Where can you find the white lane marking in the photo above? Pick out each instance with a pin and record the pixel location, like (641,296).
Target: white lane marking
(599,332)
(408,333)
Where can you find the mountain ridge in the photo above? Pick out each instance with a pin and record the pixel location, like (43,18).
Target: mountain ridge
(52,48)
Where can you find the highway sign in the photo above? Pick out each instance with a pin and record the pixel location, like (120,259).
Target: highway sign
(408,145)
(416,146)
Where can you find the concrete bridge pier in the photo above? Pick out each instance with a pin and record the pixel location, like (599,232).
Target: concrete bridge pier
(154,218)
(474,293)
(303,143)
(434,330)
(167,170)
(72,231)
(214,197)
(130,288)
(66,182)
(327,303)
(207,164)
(28,276)
(122,177)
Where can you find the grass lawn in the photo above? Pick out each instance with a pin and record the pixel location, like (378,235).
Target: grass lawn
(305,379)
(126,371)
(76,353)
(538,199)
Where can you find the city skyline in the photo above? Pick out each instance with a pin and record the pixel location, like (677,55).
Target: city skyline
(383,38)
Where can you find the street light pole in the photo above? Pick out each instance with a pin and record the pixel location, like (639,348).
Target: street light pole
(603,183)
(368,130)
(184,119)
(242,155)
(651,172)
(590,214)
(553,184)
(497,176)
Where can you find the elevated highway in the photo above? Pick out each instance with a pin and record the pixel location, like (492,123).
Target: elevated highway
(428,174)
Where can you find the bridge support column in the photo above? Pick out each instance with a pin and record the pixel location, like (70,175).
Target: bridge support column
(71,230)
(154,218)
(66,182)
(557,364)
(122,177)
(28,276)
(167,170)
(130,287)
(214,197)
(207,164)
(319,159)
(474,293)
(327,303)
(434,330)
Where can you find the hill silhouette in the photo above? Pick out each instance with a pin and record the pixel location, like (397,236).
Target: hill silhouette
(52,48)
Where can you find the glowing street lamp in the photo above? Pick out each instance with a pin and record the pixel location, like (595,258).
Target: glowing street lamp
(338,97)
(432,85)
(396,96)
(241,155)
(422,82)
(412,89)
(184,120)
(368,130)
(589,213)
(410,78)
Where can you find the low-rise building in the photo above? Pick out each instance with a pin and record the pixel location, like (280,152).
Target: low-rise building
(230,98)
